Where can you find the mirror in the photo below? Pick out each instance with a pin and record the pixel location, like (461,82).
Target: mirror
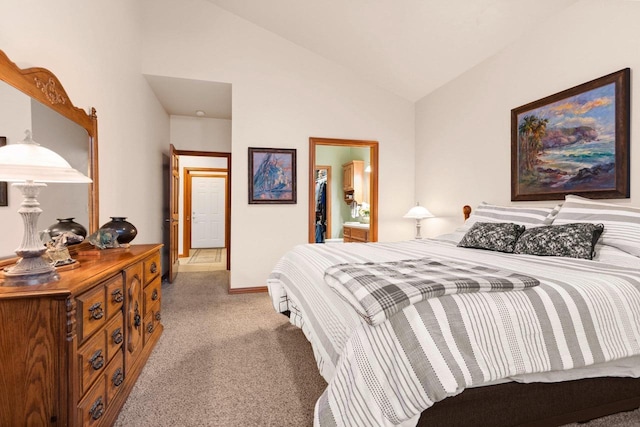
(34,99)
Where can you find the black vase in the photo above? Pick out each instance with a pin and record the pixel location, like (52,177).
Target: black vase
(67,224)
(126,231)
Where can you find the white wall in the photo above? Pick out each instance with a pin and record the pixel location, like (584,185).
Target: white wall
(94,49)
(463,129)
(201,134)
(282,95)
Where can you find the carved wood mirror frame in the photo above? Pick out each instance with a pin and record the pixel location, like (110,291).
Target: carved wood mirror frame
(43,86)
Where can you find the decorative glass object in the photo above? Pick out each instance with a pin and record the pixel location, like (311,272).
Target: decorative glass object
(104,238)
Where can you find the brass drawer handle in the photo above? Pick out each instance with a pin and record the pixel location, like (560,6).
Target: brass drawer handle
(154,295)
(117,336)
(117,378)
(97,360)
(136,316)
(117,295)
(97,409)
(158,316)
(150,328)
(154,267)
(96,311)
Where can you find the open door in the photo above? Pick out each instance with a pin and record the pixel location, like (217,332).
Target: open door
(174,218)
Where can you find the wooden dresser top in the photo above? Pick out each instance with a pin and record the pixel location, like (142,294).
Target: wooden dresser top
(92,269)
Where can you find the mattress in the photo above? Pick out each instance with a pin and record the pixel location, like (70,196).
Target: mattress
(352,355)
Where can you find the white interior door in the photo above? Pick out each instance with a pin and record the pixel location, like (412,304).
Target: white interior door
(207,212)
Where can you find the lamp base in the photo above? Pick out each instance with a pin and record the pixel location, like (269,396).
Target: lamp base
(30,271)
(32,268)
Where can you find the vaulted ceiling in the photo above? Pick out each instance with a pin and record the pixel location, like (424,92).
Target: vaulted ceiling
(409,47)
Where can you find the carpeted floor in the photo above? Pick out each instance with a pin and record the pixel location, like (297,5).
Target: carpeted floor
(230,360)
(223,360)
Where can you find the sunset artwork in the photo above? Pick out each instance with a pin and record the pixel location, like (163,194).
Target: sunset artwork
(567,145)
(570,144)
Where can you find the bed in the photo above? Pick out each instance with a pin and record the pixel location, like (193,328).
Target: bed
(567,349)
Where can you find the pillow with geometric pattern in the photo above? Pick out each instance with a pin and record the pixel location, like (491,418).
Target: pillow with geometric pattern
(492,236)
(576,240)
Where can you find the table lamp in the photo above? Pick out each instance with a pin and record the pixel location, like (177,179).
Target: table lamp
(418,213)
(28,165)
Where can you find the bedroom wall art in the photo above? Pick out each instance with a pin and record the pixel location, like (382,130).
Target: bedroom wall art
(272,176)
(573,142)
(3,185)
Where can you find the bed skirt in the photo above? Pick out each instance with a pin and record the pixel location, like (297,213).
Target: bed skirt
(535,404)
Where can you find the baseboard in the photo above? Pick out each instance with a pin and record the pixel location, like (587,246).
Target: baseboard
(248,290)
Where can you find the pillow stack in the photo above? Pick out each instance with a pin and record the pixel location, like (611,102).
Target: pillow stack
(621,223)
(578,225)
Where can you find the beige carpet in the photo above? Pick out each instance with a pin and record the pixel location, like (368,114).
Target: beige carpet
(230,360)
(223,360)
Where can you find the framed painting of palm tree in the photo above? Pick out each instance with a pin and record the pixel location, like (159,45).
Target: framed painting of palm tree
(573,142)
(272,176)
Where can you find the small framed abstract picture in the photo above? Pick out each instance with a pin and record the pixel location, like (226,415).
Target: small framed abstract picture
(573,142)
(272,176)
(4,198)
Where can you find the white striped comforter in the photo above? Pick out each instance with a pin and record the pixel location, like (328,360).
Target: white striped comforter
(583,312)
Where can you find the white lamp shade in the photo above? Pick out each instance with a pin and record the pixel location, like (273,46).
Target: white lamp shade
(418,212)
(29,161)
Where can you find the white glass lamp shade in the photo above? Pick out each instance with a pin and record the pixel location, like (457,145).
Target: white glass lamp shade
(418,212)
(29,161)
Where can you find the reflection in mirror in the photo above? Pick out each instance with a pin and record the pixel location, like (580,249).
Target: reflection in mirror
(33,99)
(18,112)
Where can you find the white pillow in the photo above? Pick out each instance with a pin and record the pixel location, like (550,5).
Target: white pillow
(529,216)
(621,223)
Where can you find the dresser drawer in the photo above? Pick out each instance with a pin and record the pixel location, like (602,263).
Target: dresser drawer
(114,335)
(92,359)
(115,295)
(359,235)
(152,294)
(151,322)
(114,375)
(90,312)
(346,231)
(93,406)
(151,268)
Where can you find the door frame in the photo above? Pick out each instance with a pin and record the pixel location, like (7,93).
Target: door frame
(191,173)
(373,182)
(227,156)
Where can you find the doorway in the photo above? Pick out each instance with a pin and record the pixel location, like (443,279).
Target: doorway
(205,209)
(195,165)
(349,205)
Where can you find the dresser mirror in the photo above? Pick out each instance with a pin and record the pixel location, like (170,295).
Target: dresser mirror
(34,99)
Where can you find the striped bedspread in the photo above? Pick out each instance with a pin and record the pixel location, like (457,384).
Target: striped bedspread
(378,290)
(582,313)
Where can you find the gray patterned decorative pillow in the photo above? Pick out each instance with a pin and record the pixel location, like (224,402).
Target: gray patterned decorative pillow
(492,236)
(575,240)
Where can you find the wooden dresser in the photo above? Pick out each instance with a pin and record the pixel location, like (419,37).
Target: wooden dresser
(71,351)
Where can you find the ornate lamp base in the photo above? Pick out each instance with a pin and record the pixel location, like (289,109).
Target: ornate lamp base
(32,268)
